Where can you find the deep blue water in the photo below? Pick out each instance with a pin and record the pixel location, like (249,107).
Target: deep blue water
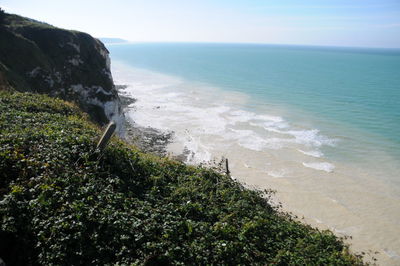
(351,92)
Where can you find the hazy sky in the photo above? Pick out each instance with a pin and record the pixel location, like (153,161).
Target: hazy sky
(371,23)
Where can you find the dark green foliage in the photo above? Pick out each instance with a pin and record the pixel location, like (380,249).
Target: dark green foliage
(59,206)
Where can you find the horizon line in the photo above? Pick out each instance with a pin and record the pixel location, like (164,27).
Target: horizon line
(250,43)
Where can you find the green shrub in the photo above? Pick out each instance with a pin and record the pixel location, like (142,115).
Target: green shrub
(59,205)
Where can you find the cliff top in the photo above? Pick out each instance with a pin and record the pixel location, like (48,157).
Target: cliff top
(72,65)
(15,21)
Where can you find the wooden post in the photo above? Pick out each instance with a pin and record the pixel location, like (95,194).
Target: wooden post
(106,136)
(227,167)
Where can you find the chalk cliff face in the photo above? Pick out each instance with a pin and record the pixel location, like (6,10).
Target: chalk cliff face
(71,65)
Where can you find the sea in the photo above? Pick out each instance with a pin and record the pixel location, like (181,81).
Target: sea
(319,125)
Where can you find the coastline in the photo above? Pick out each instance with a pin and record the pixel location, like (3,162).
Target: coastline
(294,193)
(169,198)
(149,140)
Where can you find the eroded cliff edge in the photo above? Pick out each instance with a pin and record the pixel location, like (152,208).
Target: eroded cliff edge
(71,65)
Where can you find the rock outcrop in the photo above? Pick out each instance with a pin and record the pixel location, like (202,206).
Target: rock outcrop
(71,65)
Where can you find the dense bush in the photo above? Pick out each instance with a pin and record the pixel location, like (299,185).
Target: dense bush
(60,205)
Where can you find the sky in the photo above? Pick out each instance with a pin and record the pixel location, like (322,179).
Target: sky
(359,23)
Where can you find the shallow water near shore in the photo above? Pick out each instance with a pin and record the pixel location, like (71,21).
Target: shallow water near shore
(337,175)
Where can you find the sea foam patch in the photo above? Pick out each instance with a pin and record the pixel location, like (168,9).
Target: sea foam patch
(324,166)
(277,173)
(313,153)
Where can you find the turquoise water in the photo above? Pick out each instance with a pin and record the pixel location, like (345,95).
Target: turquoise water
(349,93)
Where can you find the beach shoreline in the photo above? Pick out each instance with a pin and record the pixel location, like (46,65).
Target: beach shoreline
(301,193)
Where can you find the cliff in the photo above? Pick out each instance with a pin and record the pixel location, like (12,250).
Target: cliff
(71,65)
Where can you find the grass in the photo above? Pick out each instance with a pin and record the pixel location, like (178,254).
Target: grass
(59,204)
(15,21)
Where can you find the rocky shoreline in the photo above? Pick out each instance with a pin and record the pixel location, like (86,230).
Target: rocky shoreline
(149,140)
(155,141)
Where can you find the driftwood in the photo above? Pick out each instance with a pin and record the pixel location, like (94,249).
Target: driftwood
(106,136)
(227,167)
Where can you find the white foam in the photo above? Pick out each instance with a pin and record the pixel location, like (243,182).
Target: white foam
(277,173)
(313,153)
(311,138)
(240,116)
(198,151)
(276,119)
(392,254)
(327,167)
(248,139)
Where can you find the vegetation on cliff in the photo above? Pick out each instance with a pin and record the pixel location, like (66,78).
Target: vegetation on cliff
(61,205)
